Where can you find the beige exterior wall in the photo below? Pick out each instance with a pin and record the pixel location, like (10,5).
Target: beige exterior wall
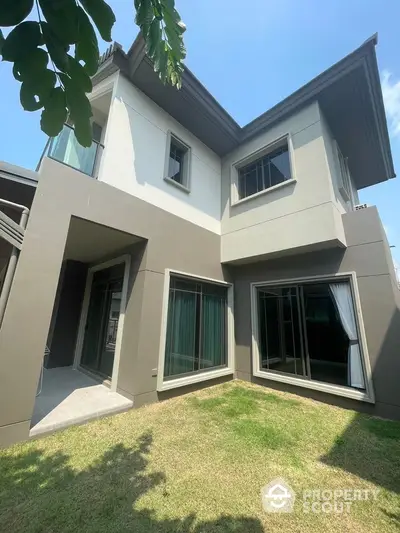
(171,243)
(299,214)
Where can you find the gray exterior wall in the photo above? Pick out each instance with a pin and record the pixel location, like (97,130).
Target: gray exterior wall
(170,242)
(369,256)
(302,213)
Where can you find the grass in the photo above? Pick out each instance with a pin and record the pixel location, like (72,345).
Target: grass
(197,463)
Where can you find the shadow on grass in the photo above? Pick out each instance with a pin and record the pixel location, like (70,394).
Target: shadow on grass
(42,493)
(370,449)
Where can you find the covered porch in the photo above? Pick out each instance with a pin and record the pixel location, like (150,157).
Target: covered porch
(78,379)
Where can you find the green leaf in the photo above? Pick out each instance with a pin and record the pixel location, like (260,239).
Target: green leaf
(102,15)
(62,17)
(80,110)
(1,40)
(21,40)
(153,38)
(12,12)
(160,64)
(83,131)
(58,51)
(31,66)
(87,48)
(144,15)
(35,91)
(54,113)
(168,4)
(77,101)
(78,73)
(29,99)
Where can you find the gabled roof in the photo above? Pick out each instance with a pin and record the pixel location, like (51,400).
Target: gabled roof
(349,94)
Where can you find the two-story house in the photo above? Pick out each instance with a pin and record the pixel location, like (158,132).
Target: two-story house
(181,249)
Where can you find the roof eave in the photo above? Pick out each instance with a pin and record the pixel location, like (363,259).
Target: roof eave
(193,90)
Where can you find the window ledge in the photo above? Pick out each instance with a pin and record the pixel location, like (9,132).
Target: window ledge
(197,378)
(176,184)
(338,390)
(265,191)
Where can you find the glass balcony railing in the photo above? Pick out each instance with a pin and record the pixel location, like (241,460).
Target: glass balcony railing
(66,149)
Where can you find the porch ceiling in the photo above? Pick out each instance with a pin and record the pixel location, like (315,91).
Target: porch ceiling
(89,242)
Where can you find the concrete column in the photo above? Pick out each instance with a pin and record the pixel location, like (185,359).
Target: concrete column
(26,322)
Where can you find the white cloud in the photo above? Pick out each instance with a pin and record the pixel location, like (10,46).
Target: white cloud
(391,97)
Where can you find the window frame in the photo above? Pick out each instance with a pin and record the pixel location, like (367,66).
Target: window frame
(338,390)
(172,383)
(344,181)
(254,156)
(187,162)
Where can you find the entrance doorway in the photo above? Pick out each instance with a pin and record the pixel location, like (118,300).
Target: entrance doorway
(103,314)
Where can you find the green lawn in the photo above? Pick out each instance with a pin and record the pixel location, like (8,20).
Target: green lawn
(197,464)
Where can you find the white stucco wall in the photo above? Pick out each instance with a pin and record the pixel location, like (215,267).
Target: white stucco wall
(298,215)
(134,159)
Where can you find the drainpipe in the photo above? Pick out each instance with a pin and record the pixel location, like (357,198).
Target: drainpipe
(12,263)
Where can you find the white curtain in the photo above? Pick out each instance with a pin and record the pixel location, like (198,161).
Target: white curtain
(342,295)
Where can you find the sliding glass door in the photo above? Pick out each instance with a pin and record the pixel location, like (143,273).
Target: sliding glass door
(309,331)
(281,347)
(102,321)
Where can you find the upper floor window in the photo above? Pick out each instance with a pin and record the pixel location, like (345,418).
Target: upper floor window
(178,163)
(344,178)
(265,172)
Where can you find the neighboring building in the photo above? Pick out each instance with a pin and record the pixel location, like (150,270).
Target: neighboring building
(181,248)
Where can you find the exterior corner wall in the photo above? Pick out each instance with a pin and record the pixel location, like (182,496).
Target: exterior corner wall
(297,215)
(367,256)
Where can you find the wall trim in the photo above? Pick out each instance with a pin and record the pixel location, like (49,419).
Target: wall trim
(202,376)
(348,392)
(126,258)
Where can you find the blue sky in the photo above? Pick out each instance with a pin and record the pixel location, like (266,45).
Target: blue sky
(250,55)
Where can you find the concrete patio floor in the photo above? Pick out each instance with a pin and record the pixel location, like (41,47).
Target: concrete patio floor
(70,397)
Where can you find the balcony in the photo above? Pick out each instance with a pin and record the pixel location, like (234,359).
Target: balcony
(65,149)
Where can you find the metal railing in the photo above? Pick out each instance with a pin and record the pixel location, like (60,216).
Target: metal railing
(66,150)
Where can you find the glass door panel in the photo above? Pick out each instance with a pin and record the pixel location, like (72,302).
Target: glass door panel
(92,337)
(102,321)
(281,342)
(107,351)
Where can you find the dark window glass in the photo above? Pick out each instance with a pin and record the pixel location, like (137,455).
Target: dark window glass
(300,331)
(196,327)
(176,163)
(265,172)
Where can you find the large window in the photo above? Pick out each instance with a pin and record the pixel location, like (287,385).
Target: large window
(265,172)
(196,339)
(310,331)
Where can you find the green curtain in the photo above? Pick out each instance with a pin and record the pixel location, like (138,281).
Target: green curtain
(181,333)
(213,337)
